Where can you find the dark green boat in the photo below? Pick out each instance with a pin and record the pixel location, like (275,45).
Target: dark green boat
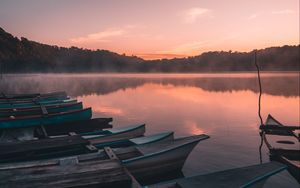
(4,96)
(38,120)
(40,110)
(36,99)
(31,104)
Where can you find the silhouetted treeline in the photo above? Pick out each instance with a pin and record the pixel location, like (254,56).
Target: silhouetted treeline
(22,55)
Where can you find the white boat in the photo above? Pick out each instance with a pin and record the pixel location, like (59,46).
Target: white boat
(143,161)
(283,144)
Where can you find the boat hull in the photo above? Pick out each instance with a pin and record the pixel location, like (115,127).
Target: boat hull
(78,127)
(37,99)
(120,142)
(38,151)
(137,132)
(146,165)
(82,126)
(250,176)
(31,121)
(283,146)
(38,111)
(32,95)
(160,163)
(35,104)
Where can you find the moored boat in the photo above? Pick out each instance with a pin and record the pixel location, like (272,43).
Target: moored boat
(38,120)
(135,141)
(250,176)
(36,150)
(36,99)
(40,110)
(32,95)
(161,158)
(143,161)
(78,127)
(69,173)
(32,104)
(111,135)
(44,131)
(283,145)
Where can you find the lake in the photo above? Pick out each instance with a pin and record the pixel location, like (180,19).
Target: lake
(223,106)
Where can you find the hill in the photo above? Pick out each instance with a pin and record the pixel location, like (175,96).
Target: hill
(23,55)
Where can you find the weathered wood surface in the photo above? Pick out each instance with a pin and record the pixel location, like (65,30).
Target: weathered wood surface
(45,148)
(49,143)
(122,153)
(104,173)
(110,153)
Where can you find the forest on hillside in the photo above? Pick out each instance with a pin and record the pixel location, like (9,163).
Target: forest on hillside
(22,55)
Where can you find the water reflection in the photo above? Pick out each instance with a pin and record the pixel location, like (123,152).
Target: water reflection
(87,84)
(222,106)
(176,107)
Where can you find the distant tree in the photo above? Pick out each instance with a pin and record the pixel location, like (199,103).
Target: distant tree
(23,55)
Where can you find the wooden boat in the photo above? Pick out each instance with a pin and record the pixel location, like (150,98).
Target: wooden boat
(44,131)
(32,95)
(283,145)
(27,150)
(143,161)
(41,110)
(250,176)
(38,120)
(69,173)
(37,106)
(33,104)
(121,142)
(95,135)
(111,135)
(36,99)
(162,157)
(81,126)
(35,150)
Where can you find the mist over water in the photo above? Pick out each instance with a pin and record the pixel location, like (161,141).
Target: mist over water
(283,84)
(224,106)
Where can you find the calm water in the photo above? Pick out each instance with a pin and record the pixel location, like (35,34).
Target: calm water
(223,106)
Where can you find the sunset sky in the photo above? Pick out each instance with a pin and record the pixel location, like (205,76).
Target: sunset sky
(155,28)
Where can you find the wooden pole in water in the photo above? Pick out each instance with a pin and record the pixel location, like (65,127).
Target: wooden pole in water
(260,90)
(259,107)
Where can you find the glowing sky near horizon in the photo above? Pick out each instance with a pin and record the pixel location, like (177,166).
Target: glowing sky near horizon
(155,28)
